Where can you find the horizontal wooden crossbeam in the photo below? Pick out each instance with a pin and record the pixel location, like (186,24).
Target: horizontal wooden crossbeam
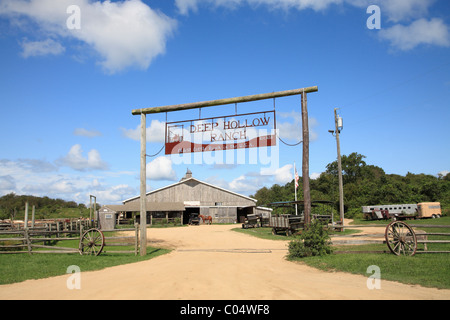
(219,102)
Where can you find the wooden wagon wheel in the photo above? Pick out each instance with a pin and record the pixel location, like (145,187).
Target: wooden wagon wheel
(401,239)
(92,242)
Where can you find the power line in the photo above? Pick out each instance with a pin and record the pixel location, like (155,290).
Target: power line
(154,155)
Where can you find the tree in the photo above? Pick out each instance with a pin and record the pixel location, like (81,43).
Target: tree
(352,167)
(365,184)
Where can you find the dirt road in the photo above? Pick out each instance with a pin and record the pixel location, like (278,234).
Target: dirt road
(213,262)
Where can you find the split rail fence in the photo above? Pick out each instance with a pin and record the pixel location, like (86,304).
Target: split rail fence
(40,240)
(422,238)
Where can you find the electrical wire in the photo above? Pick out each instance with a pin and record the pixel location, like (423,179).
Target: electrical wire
(154,155)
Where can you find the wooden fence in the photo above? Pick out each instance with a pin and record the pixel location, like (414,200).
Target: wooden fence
(422,238)
(39,240)
(47,224)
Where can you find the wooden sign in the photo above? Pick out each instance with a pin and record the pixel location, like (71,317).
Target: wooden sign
(250,130)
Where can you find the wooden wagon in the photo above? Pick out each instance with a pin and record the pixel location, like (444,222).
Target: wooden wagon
(286,223)
(194,219)
(252,221)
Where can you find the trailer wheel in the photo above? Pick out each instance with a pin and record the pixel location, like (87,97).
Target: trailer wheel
(274,231)
(92,242)
(288,232)
(400,239)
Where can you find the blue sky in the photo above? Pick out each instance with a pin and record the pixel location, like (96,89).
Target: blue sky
(67,90)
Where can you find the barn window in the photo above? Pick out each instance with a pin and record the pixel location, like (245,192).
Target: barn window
(218,204)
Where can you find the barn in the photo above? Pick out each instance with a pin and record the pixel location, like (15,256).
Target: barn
(192,196)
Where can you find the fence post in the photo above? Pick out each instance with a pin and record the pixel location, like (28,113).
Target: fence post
(33,212)
(27,239)
(136,240)
(25,219)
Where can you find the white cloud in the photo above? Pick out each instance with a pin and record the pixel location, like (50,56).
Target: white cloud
(41,48)
(40,178)
(124,34)
(443,173)
(284,174)
(161,169)
(396,10)
(7,184)
(422,31)
(154,133)
(56,186)
(405,9)
(75,160)
(314,175)
(280,175)
(242,184)
(110,195)
(86,133)
(184,6)
(250,182)
(292,130)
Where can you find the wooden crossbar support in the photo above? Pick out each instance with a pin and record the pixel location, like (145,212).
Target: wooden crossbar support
(220,102)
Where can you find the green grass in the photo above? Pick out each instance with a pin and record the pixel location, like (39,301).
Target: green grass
(20,267)
(428,270)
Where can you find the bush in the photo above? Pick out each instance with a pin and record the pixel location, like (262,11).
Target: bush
(354,213)
(314,241)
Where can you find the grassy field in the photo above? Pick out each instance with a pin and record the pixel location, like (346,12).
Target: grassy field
(20,267)
(428,270)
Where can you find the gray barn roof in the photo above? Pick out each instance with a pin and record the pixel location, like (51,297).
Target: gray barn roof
(192,179)
(151,206)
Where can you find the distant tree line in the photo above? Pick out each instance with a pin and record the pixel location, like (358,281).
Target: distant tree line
(12,205)
(364,184)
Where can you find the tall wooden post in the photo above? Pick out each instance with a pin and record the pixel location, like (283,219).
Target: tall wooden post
(25,220)
(143,199)
(33,212)
(90,210)
(341,187)
(305,162)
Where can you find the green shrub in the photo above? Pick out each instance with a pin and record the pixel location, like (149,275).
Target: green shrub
(314,241)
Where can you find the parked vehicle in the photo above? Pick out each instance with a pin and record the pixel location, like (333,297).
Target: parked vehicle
(403,211)
(429,210)
(286,223)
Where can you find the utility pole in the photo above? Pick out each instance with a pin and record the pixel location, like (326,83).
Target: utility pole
(338,124)
(305,162)
(338,127)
